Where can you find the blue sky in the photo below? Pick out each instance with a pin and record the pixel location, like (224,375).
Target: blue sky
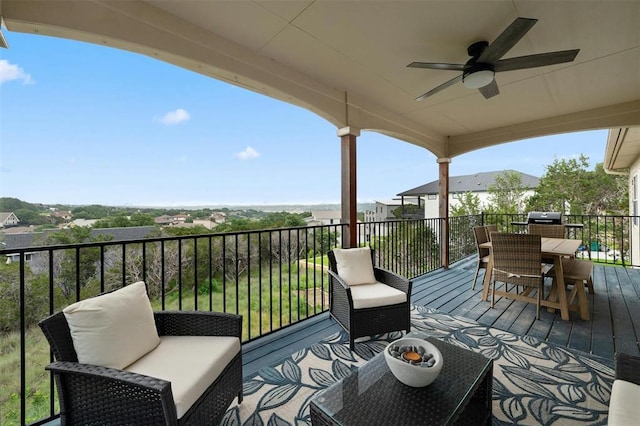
(86,124)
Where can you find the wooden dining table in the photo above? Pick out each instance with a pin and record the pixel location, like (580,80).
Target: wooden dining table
(555,248)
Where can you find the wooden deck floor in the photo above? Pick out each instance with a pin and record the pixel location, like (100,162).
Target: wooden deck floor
(614,325)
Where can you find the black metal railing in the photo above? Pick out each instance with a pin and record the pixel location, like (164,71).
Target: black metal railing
(606,239)
(274,278)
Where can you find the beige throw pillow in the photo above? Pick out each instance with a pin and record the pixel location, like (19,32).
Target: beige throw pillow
(354,265)
(114,329)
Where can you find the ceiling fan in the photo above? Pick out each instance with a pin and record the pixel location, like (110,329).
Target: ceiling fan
(479,71)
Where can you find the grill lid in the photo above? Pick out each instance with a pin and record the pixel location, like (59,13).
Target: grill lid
(545,217)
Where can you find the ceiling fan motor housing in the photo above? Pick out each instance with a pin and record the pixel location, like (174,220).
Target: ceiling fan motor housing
(477,75)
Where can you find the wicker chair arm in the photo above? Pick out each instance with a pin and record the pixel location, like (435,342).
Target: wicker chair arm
(196,323)
(103,388)
(628,368)
(392,279)
(337,279)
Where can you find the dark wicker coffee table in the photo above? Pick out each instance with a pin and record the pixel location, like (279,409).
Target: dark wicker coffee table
(371,395)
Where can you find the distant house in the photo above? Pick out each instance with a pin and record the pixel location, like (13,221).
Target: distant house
(87,223)
(218,217)
(32,239)
(61,215)
(324,217)
(384,209)
(477,184)
(168,220)
(8,219)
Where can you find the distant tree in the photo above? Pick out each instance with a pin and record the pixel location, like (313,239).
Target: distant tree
(506,194)
(123,221)
(30,217)
(569,187)
(469,204)
(66,276)
(94,211)
(9,204)
(606,194)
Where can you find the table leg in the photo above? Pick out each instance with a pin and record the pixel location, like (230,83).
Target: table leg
(486,282)
(561,289)
(582,300)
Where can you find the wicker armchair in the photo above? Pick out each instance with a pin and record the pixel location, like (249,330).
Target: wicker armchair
(92,394)
(367,321)
(625,392)
(482,236)
(517,261)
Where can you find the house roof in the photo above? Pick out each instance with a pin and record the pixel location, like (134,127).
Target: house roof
(478,182)
(395,202)
(623,149)
(347,61)
(326,214)
(4,216)
(27,239)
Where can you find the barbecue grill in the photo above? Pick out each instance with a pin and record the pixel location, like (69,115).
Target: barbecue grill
(545,218)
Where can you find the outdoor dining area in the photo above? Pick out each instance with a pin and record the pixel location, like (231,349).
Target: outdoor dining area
(526,260)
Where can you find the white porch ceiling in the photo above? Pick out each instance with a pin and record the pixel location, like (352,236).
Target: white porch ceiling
(346,60)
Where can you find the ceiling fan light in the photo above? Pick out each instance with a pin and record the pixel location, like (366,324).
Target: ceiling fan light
(478,79)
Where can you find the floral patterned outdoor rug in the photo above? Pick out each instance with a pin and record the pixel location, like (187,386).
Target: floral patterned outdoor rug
(534,382)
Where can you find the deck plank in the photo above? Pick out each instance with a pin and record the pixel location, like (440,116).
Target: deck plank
(613,327)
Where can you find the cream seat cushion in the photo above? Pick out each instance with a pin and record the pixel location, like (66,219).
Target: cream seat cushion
(190,363)
(113,329)
(354,265)
(377,294)
(624,409)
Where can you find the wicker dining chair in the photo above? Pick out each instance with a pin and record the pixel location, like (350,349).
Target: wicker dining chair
(362,306)
(482,236)
(491,228)
(517,261)
(548,231)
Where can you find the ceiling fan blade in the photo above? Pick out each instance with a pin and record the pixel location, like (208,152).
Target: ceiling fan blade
(539,60)
(439,88)
(506,40)
(490,90)
(437,66)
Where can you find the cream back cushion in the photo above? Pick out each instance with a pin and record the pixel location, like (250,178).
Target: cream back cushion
(114,329)
(354,265)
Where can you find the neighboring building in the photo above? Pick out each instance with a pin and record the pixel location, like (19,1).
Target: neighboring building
(477,184)
(167,220)
(33,239)
(218,217)
(324,217)
(61,215)
(622,156)
(8,219)
(384,209)
(86,223)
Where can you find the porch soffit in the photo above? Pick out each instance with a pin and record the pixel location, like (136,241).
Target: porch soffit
(346,61)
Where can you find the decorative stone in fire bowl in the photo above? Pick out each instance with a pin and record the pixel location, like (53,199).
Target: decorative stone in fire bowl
(415,362)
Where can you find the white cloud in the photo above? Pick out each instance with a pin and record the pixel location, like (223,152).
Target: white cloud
(175,117)
(9,72)
(247,154)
